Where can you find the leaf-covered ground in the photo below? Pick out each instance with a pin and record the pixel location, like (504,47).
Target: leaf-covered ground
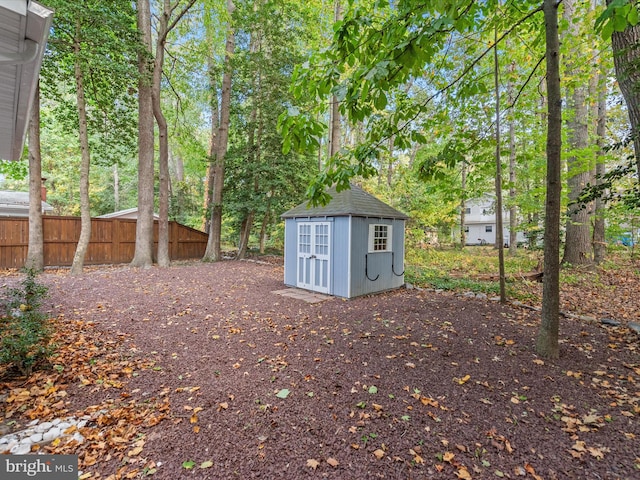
(199,371)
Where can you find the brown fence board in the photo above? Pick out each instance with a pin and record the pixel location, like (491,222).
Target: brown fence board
(112,241)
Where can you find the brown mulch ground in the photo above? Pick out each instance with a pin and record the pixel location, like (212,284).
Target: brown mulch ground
(199,371)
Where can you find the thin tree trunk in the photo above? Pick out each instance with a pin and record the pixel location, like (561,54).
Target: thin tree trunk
(463,207)
(547,344)
(143,254)
(35,249)
(215,125)
(334,133)
(116,187)
(245,233)
(263,227)
(213,251)
(577,247)
(163,140)
(599,245)
(513,209)
(498,177)
(85,214)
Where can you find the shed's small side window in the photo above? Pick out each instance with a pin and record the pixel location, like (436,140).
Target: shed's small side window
(488,228)
(379,238)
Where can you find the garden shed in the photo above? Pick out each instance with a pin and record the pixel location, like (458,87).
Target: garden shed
(352,246)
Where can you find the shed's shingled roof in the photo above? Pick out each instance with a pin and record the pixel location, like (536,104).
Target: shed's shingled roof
(355,202)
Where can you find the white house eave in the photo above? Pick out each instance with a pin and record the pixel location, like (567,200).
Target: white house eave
(24,29)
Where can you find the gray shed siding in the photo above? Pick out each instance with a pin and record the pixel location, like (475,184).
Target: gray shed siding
(378,265)
(340,257)
(291,252)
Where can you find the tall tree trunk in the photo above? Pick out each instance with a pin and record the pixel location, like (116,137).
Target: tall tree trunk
(513,209)
(599,245)
(547,344)
(215,125)
(245,233)
(35,249)
(334,132)
(163,140)
(85,161)
(213,251)
(577,246)
(626,55)
(498,177)
(165,25)
(143,255)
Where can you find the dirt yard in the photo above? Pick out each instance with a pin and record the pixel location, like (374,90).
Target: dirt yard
(200,371)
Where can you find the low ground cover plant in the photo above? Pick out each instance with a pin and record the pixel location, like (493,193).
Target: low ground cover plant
(24,329)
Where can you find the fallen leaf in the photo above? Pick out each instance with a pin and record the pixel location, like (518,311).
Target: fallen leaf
(206,464)
(312,463)
(134,452)
(379,454)
(188,464)
(448,456)
(284,393)
(463,473)
(333,462)
(464,379)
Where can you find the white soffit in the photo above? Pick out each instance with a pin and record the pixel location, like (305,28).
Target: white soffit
(24,29)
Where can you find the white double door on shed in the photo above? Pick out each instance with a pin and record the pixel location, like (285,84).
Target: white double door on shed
(314,246)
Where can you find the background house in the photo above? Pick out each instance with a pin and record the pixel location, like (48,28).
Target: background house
(352,246)
(128,214)
(16,204)
(480,222)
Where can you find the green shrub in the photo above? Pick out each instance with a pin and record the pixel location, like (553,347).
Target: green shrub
(24,330)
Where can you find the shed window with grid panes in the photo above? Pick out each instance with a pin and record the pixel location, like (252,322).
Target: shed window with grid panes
(379,238)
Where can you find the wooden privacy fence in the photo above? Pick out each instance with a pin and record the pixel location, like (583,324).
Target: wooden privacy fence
(112,241)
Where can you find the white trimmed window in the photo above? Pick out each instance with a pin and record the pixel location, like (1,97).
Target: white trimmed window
(379,238)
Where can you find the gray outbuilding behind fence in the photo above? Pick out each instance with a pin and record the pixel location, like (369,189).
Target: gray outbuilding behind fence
(352,246)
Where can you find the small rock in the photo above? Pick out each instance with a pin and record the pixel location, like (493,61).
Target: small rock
(609,321)
(495,299)
(56,421)
(481,296)
(408,286)
(634,326)
(63,426)
(43,427)
(32,423)
(51,435)
(78,437)
(21,449)
(26,440)
(35,438)
(82,424)
(469,295)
